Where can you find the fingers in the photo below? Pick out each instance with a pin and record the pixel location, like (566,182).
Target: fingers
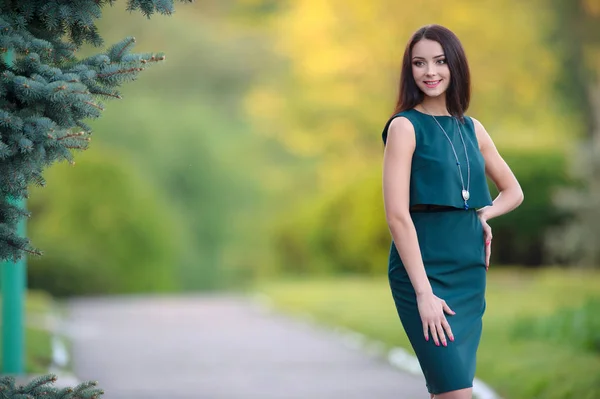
(444,323)
(435,325)
(488,246)
(447,308)
(488,251)
(448,330)
(441,335)
(434,334)
(438,331)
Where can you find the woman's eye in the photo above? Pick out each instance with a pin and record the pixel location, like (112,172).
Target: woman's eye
(418,63)
(442,61)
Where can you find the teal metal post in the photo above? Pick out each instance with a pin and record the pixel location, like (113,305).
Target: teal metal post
(14,284)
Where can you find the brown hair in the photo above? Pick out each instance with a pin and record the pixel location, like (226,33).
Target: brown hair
(458,93)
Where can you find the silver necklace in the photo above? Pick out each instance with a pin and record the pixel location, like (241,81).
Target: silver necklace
(465,190)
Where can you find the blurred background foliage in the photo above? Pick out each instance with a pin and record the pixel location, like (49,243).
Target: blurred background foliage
(253,156)
(260,139)
(89,222)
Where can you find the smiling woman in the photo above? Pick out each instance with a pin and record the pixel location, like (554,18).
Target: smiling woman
(424,69)
(437,205)
(426,73)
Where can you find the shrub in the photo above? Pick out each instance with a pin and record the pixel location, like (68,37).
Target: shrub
(104,229)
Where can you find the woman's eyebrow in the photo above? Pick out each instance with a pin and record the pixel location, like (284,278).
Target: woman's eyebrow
(421,58)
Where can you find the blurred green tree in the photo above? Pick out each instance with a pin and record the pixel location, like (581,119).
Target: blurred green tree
(576,38)
(106,230)
(47,92)
(191,138)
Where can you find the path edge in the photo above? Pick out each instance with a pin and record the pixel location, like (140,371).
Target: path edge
(397,357)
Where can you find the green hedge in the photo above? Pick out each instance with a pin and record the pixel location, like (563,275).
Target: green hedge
(519,235)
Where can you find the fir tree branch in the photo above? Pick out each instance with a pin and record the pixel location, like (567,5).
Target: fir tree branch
(15,244)
(71,135)
(117,96)
(120,72)
(47,91)
(94,105)
(130,42)
(32,251)
(75,147)
(41,388)
(39,180)
(153,59)
(102,93)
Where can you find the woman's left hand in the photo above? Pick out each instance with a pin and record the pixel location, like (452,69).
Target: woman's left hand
(487,237)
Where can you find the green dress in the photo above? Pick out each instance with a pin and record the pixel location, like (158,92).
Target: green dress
(452,248)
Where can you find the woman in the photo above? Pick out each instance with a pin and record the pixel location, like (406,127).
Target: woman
(437,206)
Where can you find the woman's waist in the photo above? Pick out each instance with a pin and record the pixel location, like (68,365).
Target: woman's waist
(434,208)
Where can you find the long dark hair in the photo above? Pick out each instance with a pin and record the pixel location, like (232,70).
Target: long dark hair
(458,93)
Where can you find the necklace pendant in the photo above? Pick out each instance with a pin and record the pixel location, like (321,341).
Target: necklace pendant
(466,195)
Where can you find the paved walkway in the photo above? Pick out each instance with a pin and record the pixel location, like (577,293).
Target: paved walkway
(220,348)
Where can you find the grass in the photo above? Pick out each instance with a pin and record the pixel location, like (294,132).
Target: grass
(516,367)
(38,351)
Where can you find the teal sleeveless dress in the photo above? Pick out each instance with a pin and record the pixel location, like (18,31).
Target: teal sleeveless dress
(452,247)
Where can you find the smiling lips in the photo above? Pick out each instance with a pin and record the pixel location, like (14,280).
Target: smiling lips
(431,84)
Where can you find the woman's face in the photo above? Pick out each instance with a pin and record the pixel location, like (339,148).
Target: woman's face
(429,67)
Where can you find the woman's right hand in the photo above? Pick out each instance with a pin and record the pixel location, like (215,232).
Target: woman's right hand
(431,310)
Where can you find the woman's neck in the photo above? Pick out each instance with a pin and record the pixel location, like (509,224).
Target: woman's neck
(434,106)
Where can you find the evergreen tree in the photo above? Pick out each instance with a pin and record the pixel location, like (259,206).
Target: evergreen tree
(47,93)
(42,388)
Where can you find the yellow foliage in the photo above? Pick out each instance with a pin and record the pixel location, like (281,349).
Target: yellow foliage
(592,7)
(344,62)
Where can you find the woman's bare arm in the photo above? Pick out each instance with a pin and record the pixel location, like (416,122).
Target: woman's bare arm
(510,193)
(401,143)
(396,184)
